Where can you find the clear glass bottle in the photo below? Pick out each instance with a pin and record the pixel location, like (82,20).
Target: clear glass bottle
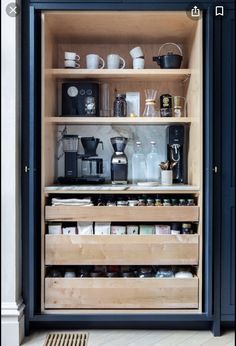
(138,164)
(153,164)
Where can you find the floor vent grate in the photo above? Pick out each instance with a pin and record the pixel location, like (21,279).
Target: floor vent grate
(66,339)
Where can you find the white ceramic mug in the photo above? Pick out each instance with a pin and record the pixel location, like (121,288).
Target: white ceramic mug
(166,177)
(136,52)
(94,61)
(55,229)
(138,63)
(115,61)
(71,56)
(71,64)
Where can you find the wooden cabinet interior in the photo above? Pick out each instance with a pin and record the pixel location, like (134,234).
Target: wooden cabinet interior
(104,32)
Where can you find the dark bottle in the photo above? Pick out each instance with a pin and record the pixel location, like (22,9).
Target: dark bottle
(120,106)
(166,105)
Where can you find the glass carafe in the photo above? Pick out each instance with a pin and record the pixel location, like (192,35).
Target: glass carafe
(138,164)
(153,161)
(150,103)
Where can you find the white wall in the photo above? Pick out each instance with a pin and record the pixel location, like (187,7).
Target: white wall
(12,306)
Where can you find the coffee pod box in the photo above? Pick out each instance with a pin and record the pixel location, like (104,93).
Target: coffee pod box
(55,229)
(132,229)
(102,228)
(118,230)
(146,229)
(162,229)
(85,228)
(69,230)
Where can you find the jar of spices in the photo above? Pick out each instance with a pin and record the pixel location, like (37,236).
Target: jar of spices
(111,204)
(141,202)
(190,202)
(187,228)
(158,202)
(133,202)
(182,202)
(112,274)
(166,202)
(120,106)
(145,272)
(96,274)
(150,202)
(128,274)
(122,203)
(174,202)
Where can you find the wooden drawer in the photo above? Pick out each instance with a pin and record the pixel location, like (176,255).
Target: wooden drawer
(120,293)
(121,249)
(104,214)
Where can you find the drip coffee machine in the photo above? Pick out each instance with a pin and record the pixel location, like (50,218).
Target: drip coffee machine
(177,150)
(91,166)
(119,161)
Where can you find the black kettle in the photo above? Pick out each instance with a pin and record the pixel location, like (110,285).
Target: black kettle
(169,60)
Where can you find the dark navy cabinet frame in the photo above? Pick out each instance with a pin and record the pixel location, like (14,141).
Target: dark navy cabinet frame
(31,146)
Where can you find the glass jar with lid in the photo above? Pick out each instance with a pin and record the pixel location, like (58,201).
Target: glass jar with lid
(120,106)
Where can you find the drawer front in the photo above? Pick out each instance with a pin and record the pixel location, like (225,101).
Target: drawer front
(121,249)
(136,293)
(104,214)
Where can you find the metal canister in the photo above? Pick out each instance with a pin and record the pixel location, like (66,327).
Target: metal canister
(174,202)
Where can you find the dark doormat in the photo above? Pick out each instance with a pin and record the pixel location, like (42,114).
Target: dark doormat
(66,339)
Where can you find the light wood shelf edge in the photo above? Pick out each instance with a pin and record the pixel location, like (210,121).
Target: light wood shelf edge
(114,120)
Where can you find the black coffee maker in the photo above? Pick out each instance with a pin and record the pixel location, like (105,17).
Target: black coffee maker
(177,151)
(119,161)
(91,165)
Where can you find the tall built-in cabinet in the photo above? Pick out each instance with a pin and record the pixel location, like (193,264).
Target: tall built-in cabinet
(104,32)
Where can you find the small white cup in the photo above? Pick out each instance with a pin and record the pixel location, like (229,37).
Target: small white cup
(71,56)
(138,63)
(94,61)
(166,177)
(136,52)
(115,61)
(71,64)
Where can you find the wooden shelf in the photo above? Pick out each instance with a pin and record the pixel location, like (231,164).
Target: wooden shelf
(121,249)
(112,189)
(116,120)
(172,75)
(108,293)
(113,214)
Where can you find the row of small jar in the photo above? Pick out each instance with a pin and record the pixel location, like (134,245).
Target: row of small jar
(148,202)
(123,272)
(106,228)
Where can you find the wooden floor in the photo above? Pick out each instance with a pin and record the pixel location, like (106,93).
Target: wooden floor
(145,338)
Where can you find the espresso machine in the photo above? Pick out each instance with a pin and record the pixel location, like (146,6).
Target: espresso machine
(119,161)
(177,151)
(91,166)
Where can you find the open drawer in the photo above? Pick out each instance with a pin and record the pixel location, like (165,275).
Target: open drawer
(121,249)
(121,293)
(113,214)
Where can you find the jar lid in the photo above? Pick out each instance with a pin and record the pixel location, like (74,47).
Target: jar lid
(121,95)
(186,225)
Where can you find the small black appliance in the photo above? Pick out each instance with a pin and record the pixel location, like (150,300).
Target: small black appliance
(177,151)
(80,99)
(91,166)
(119,161)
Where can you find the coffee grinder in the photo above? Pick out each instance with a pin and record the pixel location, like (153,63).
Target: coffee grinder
(119,161)
(91,165)
(177,151)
